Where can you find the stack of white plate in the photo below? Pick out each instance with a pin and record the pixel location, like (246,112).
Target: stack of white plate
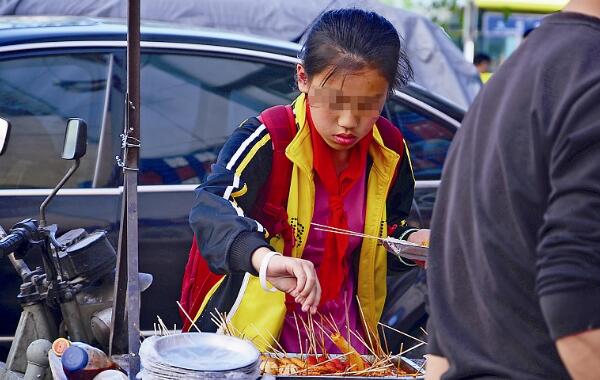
(198,356)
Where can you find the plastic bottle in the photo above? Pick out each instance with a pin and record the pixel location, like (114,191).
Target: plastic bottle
(83,362)
(111,374)
(60,345)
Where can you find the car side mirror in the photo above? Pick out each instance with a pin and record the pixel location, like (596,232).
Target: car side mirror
(4,135)
(75,143)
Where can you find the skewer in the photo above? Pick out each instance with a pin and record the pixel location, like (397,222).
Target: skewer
(388,239)
(276,342)
(323,347)
(364,343)
(269,345)
(162,324)
(347,315)
(387,348)
(312,331)
(412,348)
(402,333)
(298,331)
(325,228)
(219,323)
(420,368)
(311,347)
(368,370)
(424,331)
(366,326)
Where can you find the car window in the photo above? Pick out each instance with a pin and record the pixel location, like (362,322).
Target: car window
(39,94)
(428,139)
(192,103)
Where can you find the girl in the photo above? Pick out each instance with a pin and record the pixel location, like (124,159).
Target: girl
(343,175)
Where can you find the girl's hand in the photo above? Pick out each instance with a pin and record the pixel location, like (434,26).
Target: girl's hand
(420,237)
(296,277)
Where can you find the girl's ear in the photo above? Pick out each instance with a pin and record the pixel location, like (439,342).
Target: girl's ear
(302,78)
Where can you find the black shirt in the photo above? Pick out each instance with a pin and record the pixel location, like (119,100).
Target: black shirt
(515,245)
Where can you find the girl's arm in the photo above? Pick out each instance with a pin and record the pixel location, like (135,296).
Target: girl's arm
(226,235)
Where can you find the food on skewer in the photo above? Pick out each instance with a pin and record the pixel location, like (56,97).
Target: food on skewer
(354,358)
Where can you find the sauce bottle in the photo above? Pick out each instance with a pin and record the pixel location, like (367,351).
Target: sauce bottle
(83,362)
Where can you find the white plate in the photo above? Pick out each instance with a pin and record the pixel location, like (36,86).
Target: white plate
(199,352)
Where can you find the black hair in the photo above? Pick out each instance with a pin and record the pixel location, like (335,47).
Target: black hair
(353,39)
(481,58)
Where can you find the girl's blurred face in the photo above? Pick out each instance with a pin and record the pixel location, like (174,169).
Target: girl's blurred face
(345,107)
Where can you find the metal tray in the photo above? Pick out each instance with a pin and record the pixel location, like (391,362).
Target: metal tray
(416,365)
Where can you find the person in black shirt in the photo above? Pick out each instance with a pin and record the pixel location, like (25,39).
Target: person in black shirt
(514,268)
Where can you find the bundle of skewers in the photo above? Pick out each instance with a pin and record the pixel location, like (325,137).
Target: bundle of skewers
(400,248)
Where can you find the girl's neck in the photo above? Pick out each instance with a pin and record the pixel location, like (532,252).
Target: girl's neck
(340,160)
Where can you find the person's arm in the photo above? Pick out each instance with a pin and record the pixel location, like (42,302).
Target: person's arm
(226,236)
(436,364)
(435,367)
(568,253)
(228,239)
(580,354)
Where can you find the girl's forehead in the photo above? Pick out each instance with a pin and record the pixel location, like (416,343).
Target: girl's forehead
(366,83)
(336,95)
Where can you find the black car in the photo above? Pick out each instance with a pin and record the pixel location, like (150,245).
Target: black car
(197,86)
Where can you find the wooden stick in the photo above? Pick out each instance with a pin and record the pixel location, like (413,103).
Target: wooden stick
(402,333)
(298,331)
(219,323)
(166,329)
(313,346)
(325,228)
(368,370)
(187,316)
(334,325)
(363,342)
(269,345)
(412,348)
(387,348)
(347,315)
(276,342)
(364,320)
(312,331)
(323,347)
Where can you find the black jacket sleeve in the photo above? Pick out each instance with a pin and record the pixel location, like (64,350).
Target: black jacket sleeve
(568,254)
(226,235)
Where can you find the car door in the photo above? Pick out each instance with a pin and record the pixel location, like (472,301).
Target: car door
(41,87)
(428,131)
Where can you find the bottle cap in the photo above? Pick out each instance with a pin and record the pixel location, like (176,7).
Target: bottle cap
(74,358)
(60,345)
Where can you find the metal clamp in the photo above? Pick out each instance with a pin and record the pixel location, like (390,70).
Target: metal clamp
(121,164)
(129,142)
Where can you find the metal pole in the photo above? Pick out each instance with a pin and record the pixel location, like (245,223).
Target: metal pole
(469,27)
(125,324)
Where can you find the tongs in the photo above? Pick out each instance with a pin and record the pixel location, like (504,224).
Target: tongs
(397,247)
